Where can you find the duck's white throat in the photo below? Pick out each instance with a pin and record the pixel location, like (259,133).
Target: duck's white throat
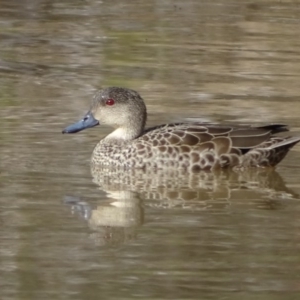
(122,134)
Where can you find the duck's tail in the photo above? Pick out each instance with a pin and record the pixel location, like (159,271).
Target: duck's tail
(286,143)
(271,152)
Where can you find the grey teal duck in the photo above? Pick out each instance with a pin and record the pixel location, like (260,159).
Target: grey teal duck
(191,146)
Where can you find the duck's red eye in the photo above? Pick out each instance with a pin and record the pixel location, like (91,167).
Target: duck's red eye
(110,102)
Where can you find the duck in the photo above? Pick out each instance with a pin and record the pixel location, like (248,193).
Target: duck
(192,146)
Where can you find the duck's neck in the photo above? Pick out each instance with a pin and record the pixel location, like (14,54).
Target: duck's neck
(122,135)
(133,128)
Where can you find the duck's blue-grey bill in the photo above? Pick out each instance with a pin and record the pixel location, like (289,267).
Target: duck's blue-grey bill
(87,122)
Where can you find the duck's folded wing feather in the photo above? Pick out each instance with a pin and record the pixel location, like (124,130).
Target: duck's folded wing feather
(242,137)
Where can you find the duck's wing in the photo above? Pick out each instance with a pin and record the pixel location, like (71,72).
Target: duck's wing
(241,137)
(209,146)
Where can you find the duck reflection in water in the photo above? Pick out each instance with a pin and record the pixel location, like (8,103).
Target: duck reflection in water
(116,220)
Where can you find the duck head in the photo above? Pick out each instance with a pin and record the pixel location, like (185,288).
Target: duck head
(121,108)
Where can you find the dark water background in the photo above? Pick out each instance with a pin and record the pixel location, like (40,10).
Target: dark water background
(65,234)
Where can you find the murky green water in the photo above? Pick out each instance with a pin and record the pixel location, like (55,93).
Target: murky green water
(68,234)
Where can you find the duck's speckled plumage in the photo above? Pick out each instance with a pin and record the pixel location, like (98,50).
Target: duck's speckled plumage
(191,146)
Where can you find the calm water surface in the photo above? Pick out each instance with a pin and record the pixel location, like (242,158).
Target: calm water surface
(69,232)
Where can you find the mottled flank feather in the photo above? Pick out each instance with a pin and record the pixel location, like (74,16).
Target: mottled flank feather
(190,146)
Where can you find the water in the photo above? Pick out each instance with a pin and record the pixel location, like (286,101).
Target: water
(69,233)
